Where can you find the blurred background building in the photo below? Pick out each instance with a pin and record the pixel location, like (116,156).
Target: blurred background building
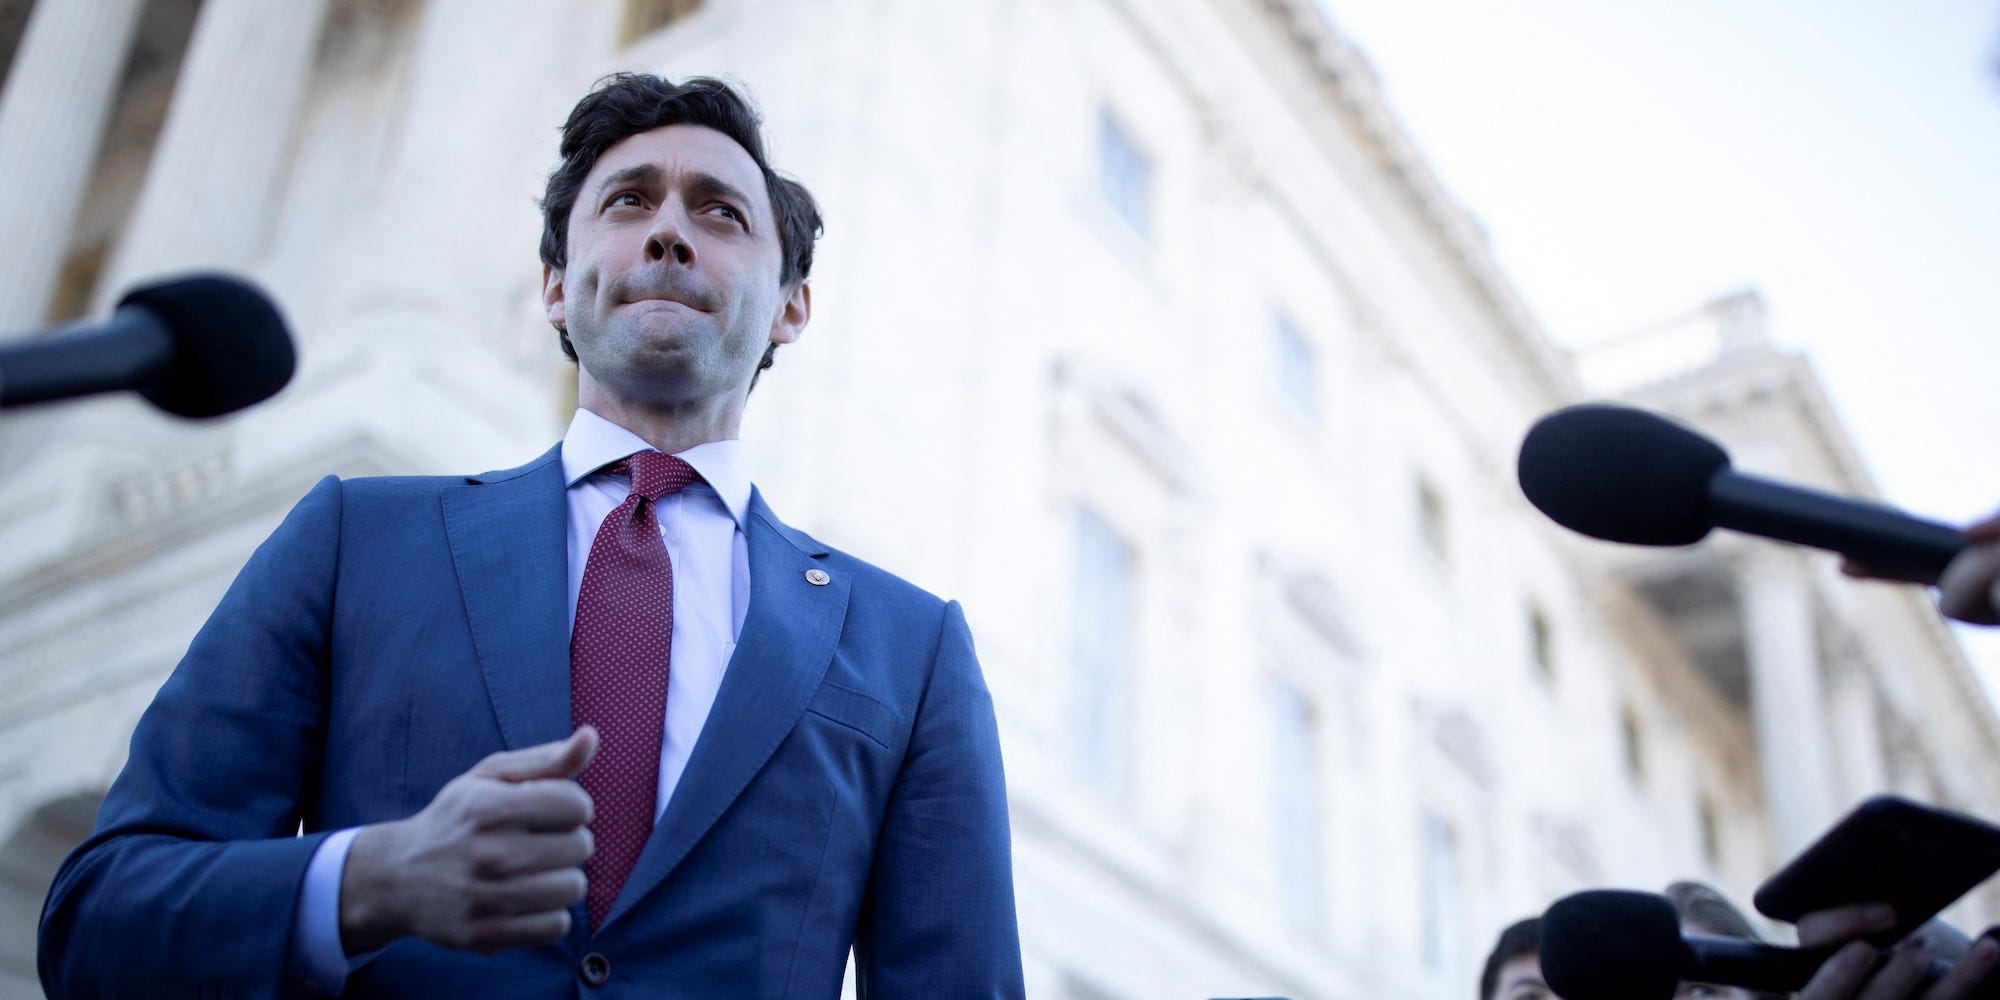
(1141,328)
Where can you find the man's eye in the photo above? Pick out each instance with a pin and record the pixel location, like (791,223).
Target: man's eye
(729,213)
(625,199)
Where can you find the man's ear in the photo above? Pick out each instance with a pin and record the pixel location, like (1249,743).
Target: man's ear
(790,323)
(552,296)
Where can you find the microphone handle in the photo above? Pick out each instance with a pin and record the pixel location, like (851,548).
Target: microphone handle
(1736,962)
(128,351)
(1773,969)
(1868,533)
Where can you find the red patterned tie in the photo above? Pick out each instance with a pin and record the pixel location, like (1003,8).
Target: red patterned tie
(618,658)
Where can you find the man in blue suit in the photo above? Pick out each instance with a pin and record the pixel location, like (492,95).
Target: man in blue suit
(598,725)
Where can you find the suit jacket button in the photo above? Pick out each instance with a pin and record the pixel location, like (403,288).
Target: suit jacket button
(595,969)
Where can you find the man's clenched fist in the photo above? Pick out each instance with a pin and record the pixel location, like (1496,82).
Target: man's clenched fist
(493,862)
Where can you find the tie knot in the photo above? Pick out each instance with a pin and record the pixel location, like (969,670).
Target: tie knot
(655,474)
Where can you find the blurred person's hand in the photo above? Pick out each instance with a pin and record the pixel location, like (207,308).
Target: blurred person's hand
(1969,590)
(1861,971)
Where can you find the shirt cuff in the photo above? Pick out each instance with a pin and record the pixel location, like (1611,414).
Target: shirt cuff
(317,954)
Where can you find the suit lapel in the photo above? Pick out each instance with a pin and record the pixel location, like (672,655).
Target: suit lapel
(507,534)
(788,638)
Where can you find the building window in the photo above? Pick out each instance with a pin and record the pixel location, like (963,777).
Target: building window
(1441,885)
(1541,643)
(1432,523)
(1295,797)
(1124,175)
(1711,836)
(13,24)
(76,282)
(643,17)
(1101,643)
(1633,736)
(1295,366)
(1077,986)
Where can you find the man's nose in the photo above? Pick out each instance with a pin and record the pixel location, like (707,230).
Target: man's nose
(668,237)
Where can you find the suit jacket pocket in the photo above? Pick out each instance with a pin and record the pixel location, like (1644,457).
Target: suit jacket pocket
(856,710)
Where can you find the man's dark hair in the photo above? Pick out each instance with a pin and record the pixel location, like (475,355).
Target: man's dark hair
(1523,937)
(626,104)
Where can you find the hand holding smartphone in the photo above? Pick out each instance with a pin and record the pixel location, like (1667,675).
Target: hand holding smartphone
(1917,858)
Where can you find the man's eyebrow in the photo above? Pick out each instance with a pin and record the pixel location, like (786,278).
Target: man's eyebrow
(642,174)
(704,184)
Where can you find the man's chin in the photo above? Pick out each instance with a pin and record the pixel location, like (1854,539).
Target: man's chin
(665,331)
(666,380)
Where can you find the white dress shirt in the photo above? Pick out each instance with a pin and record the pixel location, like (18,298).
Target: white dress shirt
(702,527)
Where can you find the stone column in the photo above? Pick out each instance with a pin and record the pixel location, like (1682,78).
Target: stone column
(57,100)
(445,268)
(214,180)
(1858,730)
(1788,699)
(472,131)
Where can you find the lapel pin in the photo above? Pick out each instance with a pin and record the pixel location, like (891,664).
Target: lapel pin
(818,577)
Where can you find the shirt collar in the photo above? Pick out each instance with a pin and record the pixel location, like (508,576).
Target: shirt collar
(593,442)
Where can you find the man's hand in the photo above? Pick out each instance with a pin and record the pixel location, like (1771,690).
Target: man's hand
(492,863)
(1860,971)
(1969,590)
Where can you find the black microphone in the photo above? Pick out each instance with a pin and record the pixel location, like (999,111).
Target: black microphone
(1610,944)
(198,346)
(1613,944)
(1626,475)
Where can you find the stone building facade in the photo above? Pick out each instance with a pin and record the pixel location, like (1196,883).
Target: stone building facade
(1141,328)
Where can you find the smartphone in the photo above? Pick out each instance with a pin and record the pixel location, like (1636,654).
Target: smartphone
(1915,857)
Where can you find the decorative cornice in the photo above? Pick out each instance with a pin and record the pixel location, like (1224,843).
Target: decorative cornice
(1350,88)
(200,497)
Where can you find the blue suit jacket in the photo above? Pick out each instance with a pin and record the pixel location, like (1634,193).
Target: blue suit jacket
(845,789)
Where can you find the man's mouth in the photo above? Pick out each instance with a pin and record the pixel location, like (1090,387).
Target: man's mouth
(665,299)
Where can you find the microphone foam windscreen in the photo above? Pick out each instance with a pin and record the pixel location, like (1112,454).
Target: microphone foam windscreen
(231,347)
(1620,474)
(1610,944)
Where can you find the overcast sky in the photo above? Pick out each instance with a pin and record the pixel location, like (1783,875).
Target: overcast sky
(1634,160)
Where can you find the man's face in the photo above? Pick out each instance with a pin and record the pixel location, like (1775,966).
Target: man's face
(1521,979)
(671,293)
